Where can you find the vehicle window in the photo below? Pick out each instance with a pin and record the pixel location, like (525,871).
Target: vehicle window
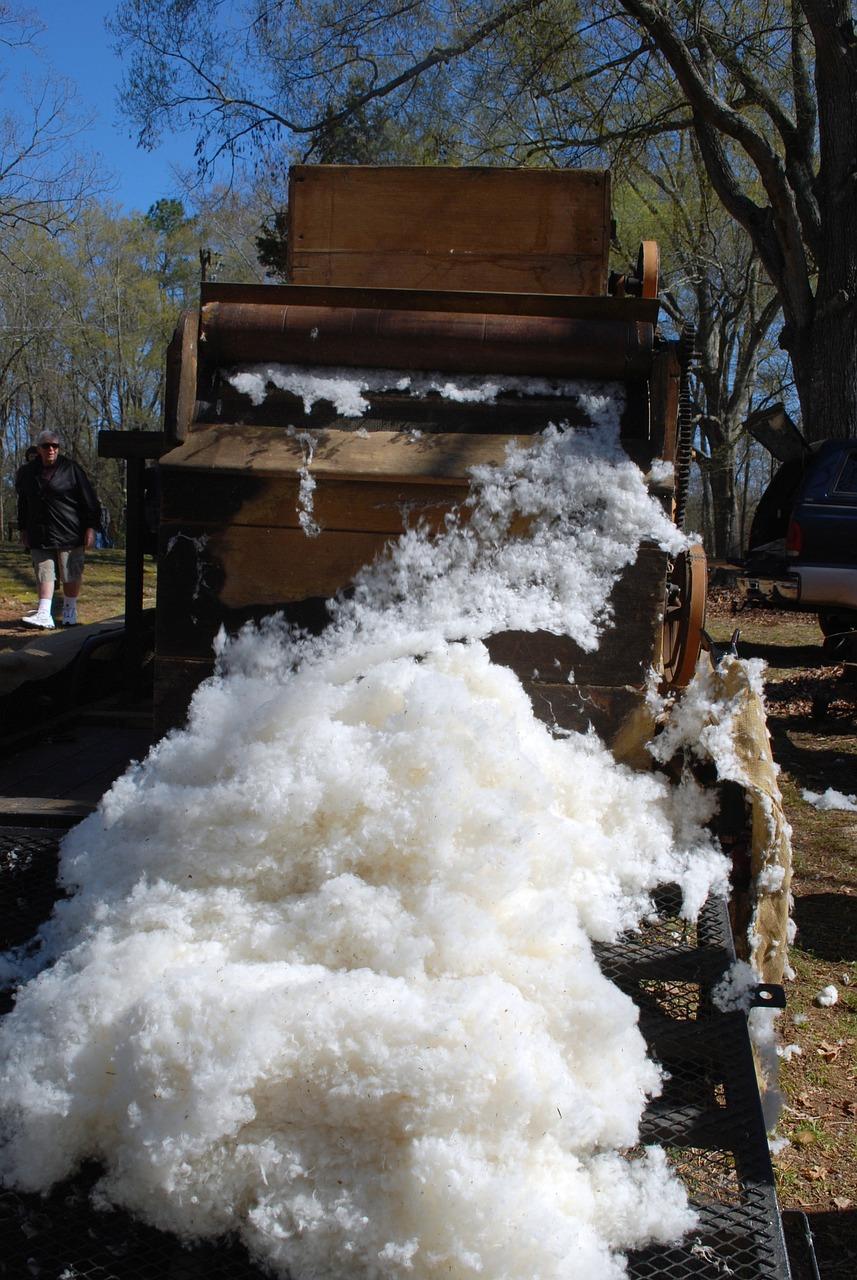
(847,482)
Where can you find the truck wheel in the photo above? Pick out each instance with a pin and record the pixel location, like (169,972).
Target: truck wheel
(834,622)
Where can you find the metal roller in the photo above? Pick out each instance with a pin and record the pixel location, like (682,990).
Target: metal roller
(456,342)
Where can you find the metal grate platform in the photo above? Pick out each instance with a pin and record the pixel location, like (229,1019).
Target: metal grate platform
(28,887)
(708,1119)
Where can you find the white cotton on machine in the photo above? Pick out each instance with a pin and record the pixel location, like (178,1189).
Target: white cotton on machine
(395,961)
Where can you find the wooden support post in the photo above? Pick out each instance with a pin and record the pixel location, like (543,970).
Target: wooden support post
(135,447)
(134,530)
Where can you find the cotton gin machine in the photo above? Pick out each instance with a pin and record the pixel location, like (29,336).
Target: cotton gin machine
(479,271)
(458,271)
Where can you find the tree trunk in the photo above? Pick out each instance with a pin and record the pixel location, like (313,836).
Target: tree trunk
(827,382)
(724,504)
(705,519)
(824,356)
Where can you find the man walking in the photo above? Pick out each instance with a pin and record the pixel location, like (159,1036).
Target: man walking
(58,513)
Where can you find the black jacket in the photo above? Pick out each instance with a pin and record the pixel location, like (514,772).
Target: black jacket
(56,511)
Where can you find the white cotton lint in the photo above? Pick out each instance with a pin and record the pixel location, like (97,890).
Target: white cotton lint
(831,799)
(347,388)
(826,997)
(770,879)
(788,1051)
(737,988)
(325,979)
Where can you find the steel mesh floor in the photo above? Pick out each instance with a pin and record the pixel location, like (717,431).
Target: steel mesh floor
(708,1119)
(28,888)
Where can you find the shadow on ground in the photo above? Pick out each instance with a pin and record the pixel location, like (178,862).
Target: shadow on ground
(814,762)
(784,656)
(827,926)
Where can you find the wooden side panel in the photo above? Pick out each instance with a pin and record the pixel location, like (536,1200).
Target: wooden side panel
(176,679)
(211,576)
(267,566)
(181,375)
(628,647)
(518,230)
(225,576)
(581,307)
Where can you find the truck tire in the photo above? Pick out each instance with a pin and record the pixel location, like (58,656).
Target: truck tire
(835,622)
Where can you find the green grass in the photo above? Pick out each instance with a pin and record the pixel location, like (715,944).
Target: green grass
(825,835)
(103,592)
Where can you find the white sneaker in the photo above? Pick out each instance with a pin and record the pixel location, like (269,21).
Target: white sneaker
(39,620)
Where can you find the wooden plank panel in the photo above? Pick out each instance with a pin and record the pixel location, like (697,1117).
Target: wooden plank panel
(211,576)
(441,458)
(489,229)
(665,385)
(549,211)
(268,566)
(208,577)
(34,809)
(180,388)
(450,271)
(217,498)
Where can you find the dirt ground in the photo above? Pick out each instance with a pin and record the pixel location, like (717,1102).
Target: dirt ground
(812,717)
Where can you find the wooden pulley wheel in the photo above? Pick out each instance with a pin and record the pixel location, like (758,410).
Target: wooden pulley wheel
(684,616)
(645,280)
(648,268)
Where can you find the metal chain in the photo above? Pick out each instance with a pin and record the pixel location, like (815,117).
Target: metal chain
(684,441)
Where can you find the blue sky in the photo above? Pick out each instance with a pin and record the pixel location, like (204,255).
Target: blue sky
(76,44)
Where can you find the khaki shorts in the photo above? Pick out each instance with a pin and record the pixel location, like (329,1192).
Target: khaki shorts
(68,560)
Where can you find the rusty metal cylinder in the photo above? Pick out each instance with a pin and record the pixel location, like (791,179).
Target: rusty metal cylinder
(455,342)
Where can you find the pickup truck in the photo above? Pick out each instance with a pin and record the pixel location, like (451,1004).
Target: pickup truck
(803,541)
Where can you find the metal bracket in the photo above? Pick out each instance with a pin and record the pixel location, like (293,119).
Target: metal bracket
(768,995)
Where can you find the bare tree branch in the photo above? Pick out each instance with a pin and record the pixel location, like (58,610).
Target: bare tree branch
(775,232)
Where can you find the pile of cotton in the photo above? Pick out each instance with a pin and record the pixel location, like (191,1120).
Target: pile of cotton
(326,976)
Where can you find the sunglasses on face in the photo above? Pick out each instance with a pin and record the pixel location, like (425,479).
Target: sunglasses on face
(47,446)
